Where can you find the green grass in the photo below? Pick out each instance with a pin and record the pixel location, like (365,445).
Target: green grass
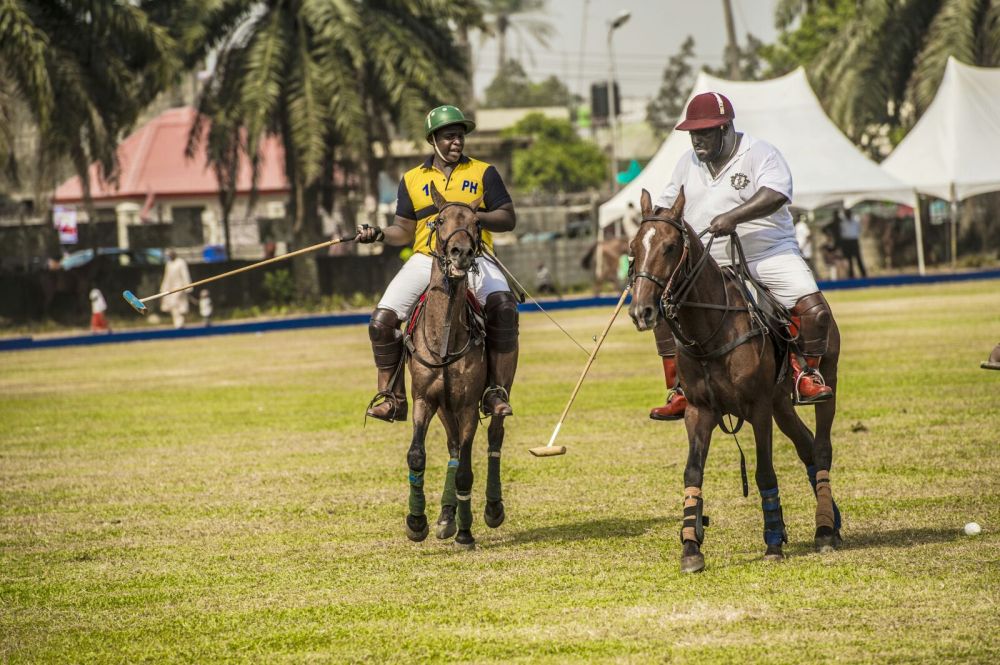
(218,499)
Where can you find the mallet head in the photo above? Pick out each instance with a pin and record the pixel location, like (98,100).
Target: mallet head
(547,451)
(137,304)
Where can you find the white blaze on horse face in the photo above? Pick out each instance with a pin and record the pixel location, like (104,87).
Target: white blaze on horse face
(647,244)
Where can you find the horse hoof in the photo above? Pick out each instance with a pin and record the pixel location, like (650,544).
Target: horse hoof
(774,554)
(416,527)
(494,514)
(694,563)
(446,526)
(827,540)
(465,541)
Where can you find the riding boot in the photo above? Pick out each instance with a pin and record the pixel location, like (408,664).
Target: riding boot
(501,352)
(387,347)
(811,317)
(676,402)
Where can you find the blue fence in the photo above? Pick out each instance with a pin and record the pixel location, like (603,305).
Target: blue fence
(21,343)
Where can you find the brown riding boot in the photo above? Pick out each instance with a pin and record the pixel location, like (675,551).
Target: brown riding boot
(666,346)
(387,346)
(811,317)
(676,402)
(501,352)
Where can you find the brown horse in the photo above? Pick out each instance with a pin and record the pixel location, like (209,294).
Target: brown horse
(449,372)
(728,364)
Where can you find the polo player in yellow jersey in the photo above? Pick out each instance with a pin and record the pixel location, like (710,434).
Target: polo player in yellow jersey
(458,178)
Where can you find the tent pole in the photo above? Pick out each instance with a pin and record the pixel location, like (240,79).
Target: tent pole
(917,224)
(954,227)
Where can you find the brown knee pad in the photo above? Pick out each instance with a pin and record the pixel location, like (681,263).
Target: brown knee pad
(386,338)
(814,323)
(666,345)
(501,322)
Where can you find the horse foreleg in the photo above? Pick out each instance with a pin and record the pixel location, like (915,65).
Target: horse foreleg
(446,518)
(494,514)
(463,480)
(767,485)
(416,460)
(699,424)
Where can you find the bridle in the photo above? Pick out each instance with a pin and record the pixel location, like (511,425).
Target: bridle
(441,255)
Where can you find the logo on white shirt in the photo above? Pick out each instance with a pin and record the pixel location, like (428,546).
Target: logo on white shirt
(739,181)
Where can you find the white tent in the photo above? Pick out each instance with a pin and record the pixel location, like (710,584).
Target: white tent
(951,153)
(826,166)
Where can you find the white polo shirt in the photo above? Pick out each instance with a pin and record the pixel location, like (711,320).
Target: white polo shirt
(756,164)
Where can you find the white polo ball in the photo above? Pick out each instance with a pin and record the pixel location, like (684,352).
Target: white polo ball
(973,529)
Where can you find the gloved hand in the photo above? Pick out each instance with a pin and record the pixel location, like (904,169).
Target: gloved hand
(370,234)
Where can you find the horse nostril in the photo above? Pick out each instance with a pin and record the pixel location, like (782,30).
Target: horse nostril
(647,313)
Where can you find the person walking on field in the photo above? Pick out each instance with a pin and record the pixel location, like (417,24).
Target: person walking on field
(98,306)
(175,275)
(850,242)
(736,184)
(458,178)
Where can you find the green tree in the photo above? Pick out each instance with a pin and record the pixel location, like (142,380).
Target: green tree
(557,159)
(513,88)
(328,78)
(678,77)
(747,61)
(85,71)
(517,16)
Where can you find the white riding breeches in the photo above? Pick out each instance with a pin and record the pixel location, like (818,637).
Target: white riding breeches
(413,278)
(787,275)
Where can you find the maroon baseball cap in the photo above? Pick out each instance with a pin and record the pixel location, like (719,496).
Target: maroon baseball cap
(709,109)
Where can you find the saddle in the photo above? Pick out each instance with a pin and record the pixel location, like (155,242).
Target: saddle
(477,328)
(768,313)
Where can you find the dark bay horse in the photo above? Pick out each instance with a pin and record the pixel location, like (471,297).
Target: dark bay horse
(449,375)
(728,364)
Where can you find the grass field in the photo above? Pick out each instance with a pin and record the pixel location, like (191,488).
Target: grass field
(218,499)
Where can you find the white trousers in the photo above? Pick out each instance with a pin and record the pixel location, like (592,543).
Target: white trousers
(413,278)
(787,275)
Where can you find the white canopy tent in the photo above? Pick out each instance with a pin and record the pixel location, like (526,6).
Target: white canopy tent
(826,166)
(952,151)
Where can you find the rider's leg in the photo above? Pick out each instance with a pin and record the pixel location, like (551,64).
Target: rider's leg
(387,346)
(500,307)
(667,348)
(811,314)
(387,339)
(501,350)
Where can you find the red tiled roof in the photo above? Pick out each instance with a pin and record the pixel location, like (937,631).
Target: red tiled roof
(152,162)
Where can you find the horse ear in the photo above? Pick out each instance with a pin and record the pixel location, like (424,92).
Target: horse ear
(436,197)
(677,211)
(646,204)
(475,204)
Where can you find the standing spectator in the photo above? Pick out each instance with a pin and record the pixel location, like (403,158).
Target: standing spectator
(631,221)
(850,234)
(175,275)
(830,251)
(543,280)
(98,306)
(803,236)
(205,307)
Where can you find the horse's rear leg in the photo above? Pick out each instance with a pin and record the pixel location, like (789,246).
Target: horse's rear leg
(699,424)
(494,514)
(416,460)
(827,533)
(767,485)
(828,520)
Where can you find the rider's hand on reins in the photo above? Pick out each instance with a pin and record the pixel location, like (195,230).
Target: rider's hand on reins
(722,225)
(369,234)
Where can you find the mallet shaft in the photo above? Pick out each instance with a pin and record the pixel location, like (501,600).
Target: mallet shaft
(254,266)
(586,368)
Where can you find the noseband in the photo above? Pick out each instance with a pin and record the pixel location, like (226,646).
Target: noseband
(442,254)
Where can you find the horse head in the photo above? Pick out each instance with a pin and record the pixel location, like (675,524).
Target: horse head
(658,250)
(457,230)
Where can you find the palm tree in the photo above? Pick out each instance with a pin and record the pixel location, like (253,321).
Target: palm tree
(886,59)
(328,78)
(84,71)
(515,15)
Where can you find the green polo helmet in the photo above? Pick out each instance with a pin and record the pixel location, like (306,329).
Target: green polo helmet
(443,116)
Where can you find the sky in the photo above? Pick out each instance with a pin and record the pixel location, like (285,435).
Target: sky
(642,45)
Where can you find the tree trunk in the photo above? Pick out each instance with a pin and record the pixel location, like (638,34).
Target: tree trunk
(732,54)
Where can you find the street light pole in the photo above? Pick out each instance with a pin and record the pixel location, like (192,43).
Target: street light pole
(613,25)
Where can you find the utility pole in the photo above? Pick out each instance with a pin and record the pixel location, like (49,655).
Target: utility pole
(732,53)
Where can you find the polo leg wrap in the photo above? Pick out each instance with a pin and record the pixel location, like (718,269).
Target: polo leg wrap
(694,524)
(463,493)
(418,502)
(814,481)
(448,495)
(493,487)
(824,501)
(774,523)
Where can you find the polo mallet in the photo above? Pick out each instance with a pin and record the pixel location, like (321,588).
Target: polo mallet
(140,304)
(551,450)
